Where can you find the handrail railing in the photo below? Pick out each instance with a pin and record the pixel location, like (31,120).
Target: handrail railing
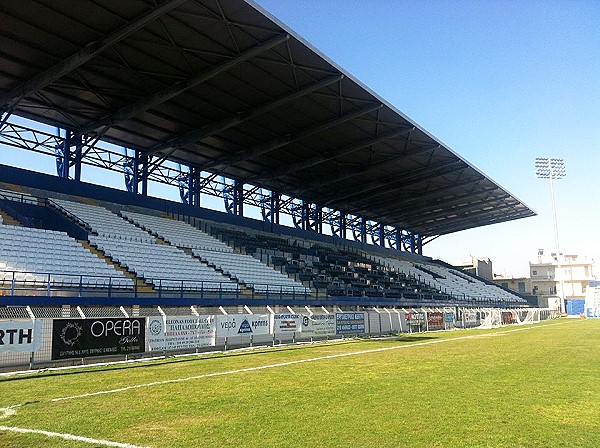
(48,284)
(69,214)
(20,282)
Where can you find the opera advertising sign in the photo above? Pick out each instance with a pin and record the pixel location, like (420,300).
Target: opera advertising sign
(180,333)
(318,325)
(82,338)
(20,336)
(243,325)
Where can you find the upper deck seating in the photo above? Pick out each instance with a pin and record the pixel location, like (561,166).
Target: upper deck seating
(176,232)
(104,222)
(245,268)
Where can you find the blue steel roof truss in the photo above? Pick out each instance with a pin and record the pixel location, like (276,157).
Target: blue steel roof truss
(223,88)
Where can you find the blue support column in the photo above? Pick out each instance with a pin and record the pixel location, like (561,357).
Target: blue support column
(136,172)
(382,234)
(363,230)
(144,175)
(297,212)
(270,207)
(78,157)
(63,155)
(314,217)
(305,215)
(238,198)
(275,207)
(195,186)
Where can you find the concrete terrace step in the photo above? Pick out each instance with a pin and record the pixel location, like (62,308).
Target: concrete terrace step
(141,285)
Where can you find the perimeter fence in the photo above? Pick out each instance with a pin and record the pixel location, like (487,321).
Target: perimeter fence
(38,337)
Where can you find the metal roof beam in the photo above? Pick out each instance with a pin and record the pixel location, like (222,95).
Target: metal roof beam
(419,196)
(92,49)
(178,88)
(417,211)
(459,200)
(448,203)
(234,120)
(347,174)
(308,163)
(444,189)
(449,210)
(402,181)
(264,148)
(446,227)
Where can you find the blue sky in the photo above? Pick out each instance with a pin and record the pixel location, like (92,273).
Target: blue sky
(499,82)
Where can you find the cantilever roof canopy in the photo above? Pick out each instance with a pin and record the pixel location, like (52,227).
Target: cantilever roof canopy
(223,86)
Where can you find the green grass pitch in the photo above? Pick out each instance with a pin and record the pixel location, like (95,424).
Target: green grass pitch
(531,386)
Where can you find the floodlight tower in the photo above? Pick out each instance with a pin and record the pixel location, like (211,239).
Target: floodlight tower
(551,168)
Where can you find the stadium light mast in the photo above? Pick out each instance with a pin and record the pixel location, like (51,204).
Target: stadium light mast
(552,168)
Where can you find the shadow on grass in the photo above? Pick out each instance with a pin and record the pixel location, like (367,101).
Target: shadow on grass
(207,356)
(407,338)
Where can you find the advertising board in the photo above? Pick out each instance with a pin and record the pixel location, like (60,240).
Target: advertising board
(243,325)
(287,323)
(180,332)
(81,338)
(435,320)
(20,335)
(318,325)
(350,323)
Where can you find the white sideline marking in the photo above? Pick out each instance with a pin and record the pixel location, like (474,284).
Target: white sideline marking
(68,437)
(282,364)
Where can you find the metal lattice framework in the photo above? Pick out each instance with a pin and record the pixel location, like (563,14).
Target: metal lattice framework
(224,89)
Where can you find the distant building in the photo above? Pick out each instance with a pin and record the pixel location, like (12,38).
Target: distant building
(481,267)
(522,285)
(549,283)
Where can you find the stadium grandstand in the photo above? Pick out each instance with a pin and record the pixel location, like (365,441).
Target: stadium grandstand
(217,98)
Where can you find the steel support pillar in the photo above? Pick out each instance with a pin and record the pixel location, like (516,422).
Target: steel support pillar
(78,157)
(140,174)
(275,207)
(194,186)
(238,198)
(66,158)
(363,230)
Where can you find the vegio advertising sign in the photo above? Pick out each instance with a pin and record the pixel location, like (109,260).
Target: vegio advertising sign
(287,323)
(349,323)
(318,325)
(81,338)
(243,325)
(20,336)
(180,333)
